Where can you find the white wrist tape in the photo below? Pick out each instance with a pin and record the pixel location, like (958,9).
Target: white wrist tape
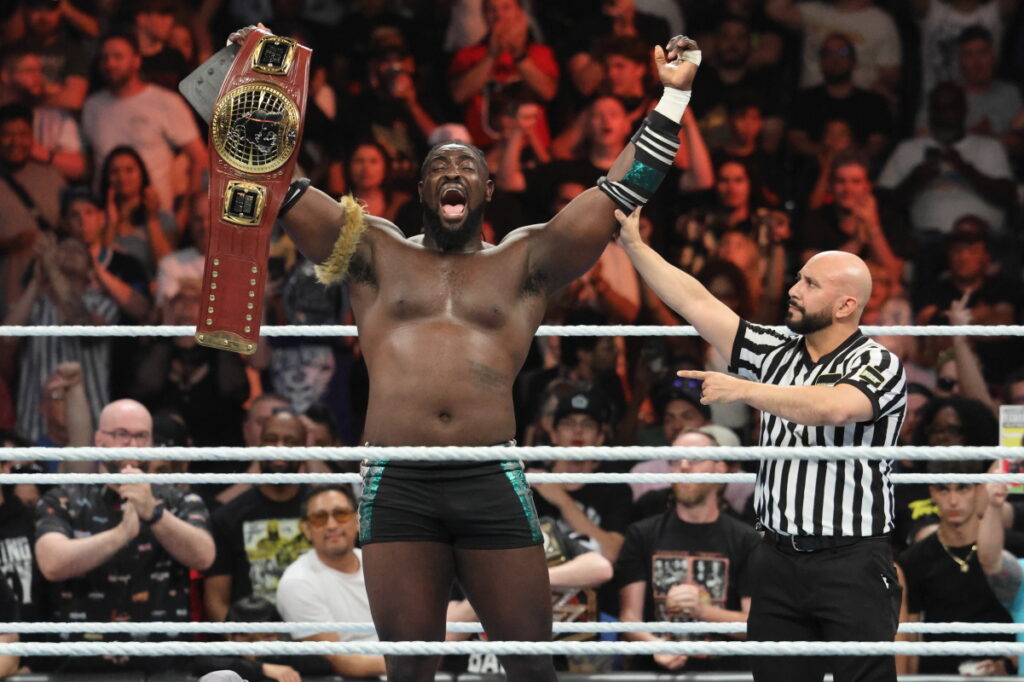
(673,103)
(692,56)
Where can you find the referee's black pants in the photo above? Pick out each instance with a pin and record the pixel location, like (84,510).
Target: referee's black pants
(847,593)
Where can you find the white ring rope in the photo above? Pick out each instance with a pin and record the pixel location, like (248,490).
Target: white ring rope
(339,330)
(267,479)
(500,452)
(690,648)
(168,627)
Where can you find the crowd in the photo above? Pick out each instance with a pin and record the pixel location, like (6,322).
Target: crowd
(892,130)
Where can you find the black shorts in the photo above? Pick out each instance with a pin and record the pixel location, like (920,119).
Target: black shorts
(486,505)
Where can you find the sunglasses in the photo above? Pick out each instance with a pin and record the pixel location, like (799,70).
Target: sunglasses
(318,519)
(946,384)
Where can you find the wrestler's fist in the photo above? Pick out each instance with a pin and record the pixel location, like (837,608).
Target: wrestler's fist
(239,36)
(673,70)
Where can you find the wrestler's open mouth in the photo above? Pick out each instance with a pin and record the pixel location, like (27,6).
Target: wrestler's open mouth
(453,201)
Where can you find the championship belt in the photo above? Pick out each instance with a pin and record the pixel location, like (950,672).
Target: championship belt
(254,98)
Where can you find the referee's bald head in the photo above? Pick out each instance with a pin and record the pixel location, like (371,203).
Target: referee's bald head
(848,273)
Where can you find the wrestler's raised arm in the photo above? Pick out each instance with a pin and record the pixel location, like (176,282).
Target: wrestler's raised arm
(571,242)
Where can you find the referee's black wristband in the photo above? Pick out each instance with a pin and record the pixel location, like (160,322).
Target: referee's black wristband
(291,197)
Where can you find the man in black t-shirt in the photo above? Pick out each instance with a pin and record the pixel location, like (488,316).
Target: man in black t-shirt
(18,573)
(599,511)
(690,563)
(943,578)
(258,534)
(867,113)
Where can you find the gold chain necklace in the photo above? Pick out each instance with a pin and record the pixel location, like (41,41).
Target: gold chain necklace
(964,563)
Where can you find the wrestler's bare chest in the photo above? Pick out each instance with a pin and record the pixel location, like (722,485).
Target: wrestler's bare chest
(483,289)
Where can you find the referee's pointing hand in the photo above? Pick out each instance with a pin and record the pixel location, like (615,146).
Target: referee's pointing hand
(716,387)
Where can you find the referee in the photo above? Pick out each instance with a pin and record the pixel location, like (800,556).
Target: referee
(824,568)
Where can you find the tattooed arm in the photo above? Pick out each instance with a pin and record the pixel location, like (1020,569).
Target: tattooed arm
(1002,570)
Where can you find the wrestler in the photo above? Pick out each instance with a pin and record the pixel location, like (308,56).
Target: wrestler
(445,322)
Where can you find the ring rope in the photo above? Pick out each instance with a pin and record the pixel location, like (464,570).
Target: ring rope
(690,648)
(169,627)
(336,330)
(534,452)
(266,479)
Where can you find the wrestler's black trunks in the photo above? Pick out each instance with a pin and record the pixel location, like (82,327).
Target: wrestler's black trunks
(485,505)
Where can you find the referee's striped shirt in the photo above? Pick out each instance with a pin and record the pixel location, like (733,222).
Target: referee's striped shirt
(843,498)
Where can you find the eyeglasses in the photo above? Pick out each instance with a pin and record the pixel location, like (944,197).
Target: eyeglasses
(124,436)
(837,51)
(319,518)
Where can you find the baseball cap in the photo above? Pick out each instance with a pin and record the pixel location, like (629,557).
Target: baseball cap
(679,389)
(969,229)
(590,403)
(222,676)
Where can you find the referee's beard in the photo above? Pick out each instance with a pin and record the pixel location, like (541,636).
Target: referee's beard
(808,323)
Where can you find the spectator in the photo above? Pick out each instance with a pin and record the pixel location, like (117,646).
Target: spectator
(19,576)
(29,199)
(949,173)
(856,221)
(326,584)
(394,110)
(944,579)
(762,262)
(750,143)
(1013,391)
(152,120)
(678,409)
(591,36)
(989,298)
(10,612)
(135,220)
(65,57)
(597,511)
(56,140)
(59,292)
(839,98)
(690,562)
(766,35)
(258,533)
(506,58)
(64,407)
(121,552)
(867,26)
(367,171)
(206,386)
(992,103)
(162,64)
(120,276)
(278,668)
(942,23)
(519,147)
(918,397)
(188,263)
(943,421)
(728,78)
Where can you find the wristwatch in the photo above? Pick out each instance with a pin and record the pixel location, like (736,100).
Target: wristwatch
(158,513)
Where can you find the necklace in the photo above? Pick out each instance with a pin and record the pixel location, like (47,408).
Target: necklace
(964,563)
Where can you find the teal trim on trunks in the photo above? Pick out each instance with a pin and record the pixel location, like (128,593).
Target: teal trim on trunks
(373,472)
(514,473)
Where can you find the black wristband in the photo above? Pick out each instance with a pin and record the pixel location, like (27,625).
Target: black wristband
(158,513)
(295,191)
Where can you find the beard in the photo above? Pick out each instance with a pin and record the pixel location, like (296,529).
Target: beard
(452,239)
(810,322)
(837,78)
(277,467)
(693,494)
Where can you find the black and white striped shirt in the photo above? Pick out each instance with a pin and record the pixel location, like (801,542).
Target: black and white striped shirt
(843,498)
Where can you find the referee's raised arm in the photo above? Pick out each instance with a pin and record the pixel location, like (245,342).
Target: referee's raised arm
(714,320)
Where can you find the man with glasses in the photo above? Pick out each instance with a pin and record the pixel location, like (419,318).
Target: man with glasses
(327,585)
(121,552)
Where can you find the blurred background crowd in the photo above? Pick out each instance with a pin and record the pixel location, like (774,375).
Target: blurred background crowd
(891,129)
